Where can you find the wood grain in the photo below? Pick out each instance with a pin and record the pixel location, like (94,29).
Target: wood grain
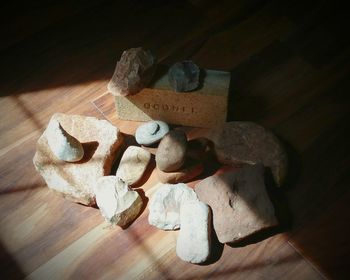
(289,64)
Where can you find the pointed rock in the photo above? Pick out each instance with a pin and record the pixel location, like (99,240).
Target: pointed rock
(63,145)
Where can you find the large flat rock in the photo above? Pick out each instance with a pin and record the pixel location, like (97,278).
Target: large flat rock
(75,180)
(247,142)
(239,202)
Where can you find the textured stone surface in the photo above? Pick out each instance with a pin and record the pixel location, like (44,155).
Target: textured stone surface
(204,107)
(248,142)
(171,153)
(239,202)
(184,76)
(151,132)
(164,205)
(63,145)
(189,171)
(194,241)
(133,164)
(118,204)
(75,181)
(133,72)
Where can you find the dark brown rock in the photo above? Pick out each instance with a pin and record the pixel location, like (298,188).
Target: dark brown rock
(133,72)
(239,202)
(248,142)
(171,153)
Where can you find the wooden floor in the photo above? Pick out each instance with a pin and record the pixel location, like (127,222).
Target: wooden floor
(290,66)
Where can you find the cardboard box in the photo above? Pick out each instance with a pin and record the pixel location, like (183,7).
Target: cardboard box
(204,107)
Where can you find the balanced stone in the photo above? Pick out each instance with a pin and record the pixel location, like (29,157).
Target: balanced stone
(133,164)
(184,76)
(239,201)
(133,72)
(75,181)
(248,142)
(118,204)
(164,205)
(151,132)
(171,153)
(190,170)
(63,145)
(194,241)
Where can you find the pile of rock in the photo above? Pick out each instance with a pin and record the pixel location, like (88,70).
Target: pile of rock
(75,155)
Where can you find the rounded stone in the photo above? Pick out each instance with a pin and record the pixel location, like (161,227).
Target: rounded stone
(151,132)
(171,153)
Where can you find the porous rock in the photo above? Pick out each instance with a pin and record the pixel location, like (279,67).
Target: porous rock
(118,204)
(133,164)
(151,132)
(184,76)
(164,205)
(247,142)
(171,153)
(194,240)
(190,170)
(63,145)
(75,181)
(133,72)
(239,202)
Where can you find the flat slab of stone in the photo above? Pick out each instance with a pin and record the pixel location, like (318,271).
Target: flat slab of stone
(203,107)
(247,142)
(133,164)
(239,202)
(190,170)
(194,241)
(75,181)
(164,205)
(119,205)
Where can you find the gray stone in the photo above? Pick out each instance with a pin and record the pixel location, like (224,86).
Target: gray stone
(239,202)
(75,180)
(194,241)
(151,132)
(133,72)
(63,145)
(184,76)
(248,142)
(133,164)
(171,152)
(164,205)
(118,204)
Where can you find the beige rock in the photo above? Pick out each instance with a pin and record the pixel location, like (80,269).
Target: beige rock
(248,142)
(75,181)
(239,202)
(164,205)
(63,145)
(118,204)
(190,170)
(194,241)
(133,164)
